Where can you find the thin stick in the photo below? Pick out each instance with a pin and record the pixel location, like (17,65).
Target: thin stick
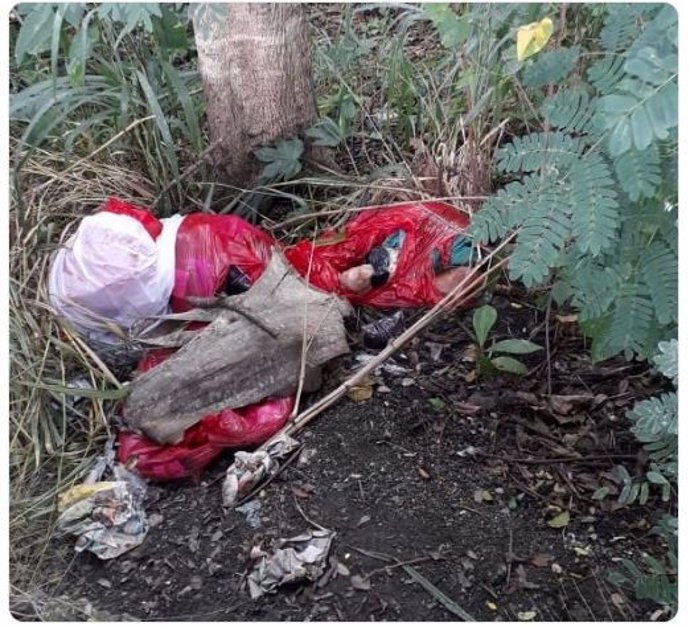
(113,139)
(474,278)
(444,600)
(548,348)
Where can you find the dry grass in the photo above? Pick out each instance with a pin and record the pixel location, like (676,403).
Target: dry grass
(52,443)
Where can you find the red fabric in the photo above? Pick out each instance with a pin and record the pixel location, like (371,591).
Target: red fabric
(427,225)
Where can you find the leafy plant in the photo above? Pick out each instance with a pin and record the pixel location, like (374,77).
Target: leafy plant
(282,160)
(655,424)
(496,356)
(594,200)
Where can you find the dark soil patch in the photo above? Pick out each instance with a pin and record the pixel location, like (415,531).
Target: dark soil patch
(422,472)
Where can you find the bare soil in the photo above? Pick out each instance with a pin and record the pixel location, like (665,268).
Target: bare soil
(455,479)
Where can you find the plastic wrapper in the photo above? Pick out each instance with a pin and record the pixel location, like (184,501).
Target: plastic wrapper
(115,271)
(107,517)
(430,230)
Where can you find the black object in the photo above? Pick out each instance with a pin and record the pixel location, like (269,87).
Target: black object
(379,258)
(236,281)
(378,334)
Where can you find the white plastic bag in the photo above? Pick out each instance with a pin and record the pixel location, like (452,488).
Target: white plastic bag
(112,274)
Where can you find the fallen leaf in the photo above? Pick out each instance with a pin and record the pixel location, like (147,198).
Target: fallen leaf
(618,599)
(359,583)
(343,570)
(540,560)
(423,473)
(363,520)
(559,521)
(582,551)
(526,615)
(360,393)
(492,606)
(300,493)
(569,319)
(481,495)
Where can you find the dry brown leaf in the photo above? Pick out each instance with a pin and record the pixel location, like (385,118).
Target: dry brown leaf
(541,560)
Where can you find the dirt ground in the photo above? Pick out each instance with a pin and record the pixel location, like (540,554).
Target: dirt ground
(457,480)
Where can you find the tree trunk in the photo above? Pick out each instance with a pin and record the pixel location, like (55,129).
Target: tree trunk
(255,65)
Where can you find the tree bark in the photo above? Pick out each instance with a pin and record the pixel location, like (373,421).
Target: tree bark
(255,64)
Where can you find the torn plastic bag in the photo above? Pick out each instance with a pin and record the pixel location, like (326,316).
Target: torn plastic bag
(249,469)
(202,443)
(295,559)
(107,517)
(117,270)
(211,247)
(412,243)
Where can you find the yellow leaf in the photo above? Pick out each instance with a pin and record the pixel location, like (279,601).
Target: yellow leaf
(531,38)
(562,520)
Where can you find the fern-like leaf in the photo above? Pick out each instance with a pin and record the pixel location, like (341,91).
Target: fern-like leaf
(660,271)
(666,360)
(550,67)
(539,151)
(570,110)
(645,103)
(595,287)
(639,172)
(595,207)
(622,25)
(543,235)
(508,208)
(606,72)
(633,316)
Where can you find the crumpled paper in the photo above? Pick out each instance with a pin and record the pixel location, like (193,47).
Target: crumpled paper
(249,469)
(107,517)
(303,557)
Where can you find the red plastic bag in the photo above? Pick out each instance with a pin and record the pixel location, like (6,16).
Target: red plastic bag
(206,247)
(428,226)
(202,443)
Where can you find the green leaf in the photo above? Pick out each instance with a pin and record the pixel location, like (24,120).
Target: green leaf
(600,493)
(325,133)
(660,271)
(161,121)
(508,364)
(639,172)
(170,32)
(560,521)
(515,347)
(594,199)
(283,160)
(452,28)
(35,34)
(191,116)
(667,360)
(483,320)
(550,67)
(80,50)
(656,478)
